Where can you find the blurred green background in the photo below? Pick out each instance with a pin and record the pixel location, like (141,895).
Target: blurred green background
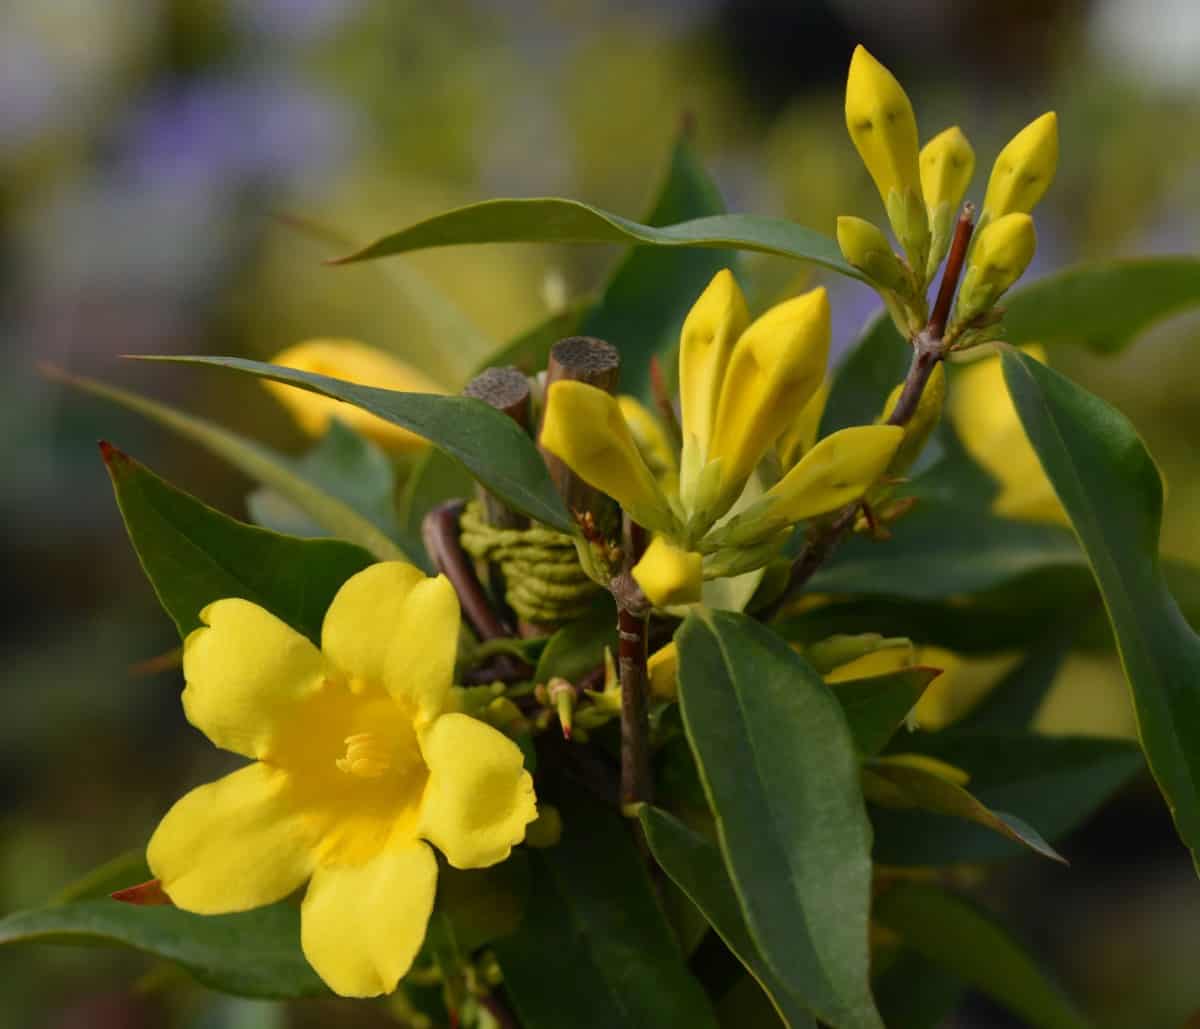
(145,148)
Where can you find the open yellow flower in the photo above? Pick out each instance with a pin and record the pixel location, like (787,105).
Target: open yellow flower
(358,765)
(352,362)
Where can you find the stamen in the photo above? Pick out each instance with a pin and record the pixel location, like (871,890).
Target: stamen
(367,756)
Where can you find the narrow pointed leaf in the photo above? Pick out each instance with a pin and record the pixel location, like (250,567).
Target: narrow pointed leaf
(253,954)
(969,943)
(194,555)
(1112,492)
(695,866)
(554,220)
(778,765)
(491,445)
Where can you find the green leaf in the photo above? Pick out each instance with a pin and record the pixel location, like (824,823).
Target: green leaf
(642,308)
(530,351)
(554,220)
(866,375)
(935,552)
(253,954)
(1111,489)
(1055,782)
(695,866)
(595,950)
(490,444)
(578,647)
(876,707)
(194,555)
(124,870)
(778,764)
(913,993)
(1014,701)
(345,508)
(1103,305)
(484,904)
(893,782)
(969,943)
(435,479)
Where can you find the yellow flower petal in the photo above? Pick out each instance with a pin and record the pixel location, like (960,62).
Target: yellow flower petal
(393,626)
(352,362)
(776,367)
(710,331)
(662,670)
(668,575)
(362,925)
(584,427)
(1023,170)
(798,439)
(479,797)
(248,676)
(233,844)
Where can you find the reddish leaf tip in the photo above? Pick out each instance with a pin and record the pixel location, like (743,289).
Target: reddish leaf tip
(147,894)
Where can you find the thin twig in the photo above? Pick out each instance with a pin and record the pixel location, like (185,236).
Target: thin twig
(953,271)
(632,619)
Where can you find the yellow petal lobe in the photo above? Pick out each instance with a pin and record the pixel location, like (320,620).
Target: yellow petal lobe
(663,670)
(362,925)
(583,426)
(479,797)
(234,844)
(1023,170)
(354,362)
(668,575)
(798,439)
(249,676)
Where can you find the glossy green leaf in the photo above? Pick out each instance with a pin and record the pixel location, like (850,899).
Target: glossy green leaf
(643,305)
(1112,492)
(554,220)
(254,953)
(341,504)
(779,767)
(435,478)
(1053,782)
(594,950)
(694,864)
(124,870)
(194,555)
(1103,305)
(894,783)
(969,943)
(876,707)
(490,444)
(865,376)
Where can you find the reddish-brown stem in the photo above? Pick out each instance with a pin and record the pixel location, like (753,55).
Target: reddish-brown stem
(439,529)
(632,618)
(952,272)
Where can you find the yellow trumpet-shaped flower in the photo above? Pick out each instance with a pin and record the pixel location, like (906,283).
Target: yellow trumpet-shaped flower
(776,366)
(584,427)
(947,165)
(669,575)
(358,766)
(864,246)
(991,430)
(663,670)
(1023,171)
(798,439)
(880,119)
(1000,256)
(839,469)
(353,362)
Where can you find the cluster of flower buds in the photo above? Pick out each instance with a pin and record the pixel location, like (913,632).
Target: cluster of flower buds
(749,390)
(921,192)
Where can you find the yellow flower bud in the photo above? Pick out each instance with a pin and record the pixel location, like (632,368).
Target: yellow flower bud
(838,470)
(663,669)
(947,164)
(880,119)
(651,439)
(798,439)
(668,575)
(1000,256)
(352,362)
(1023,171)
(866,248)
(583,426)
(923,421)
(776,366)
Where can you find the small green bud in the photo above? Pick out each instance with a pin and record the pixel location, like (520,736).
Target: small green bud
(947,164)
(1000,256)
(866,248)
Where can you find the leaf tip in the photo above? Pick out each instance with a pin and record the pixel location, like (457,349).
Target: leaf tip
(111,455)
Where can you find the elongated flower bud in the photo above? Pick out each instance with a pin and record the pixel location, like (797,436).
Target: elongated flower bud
(1000,256)
(880,119)
(776,366)
(798,439)
(923,421)
(947,165)
(668,575)
(839,469)
(866,248)
(1023,171)
(583,426)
